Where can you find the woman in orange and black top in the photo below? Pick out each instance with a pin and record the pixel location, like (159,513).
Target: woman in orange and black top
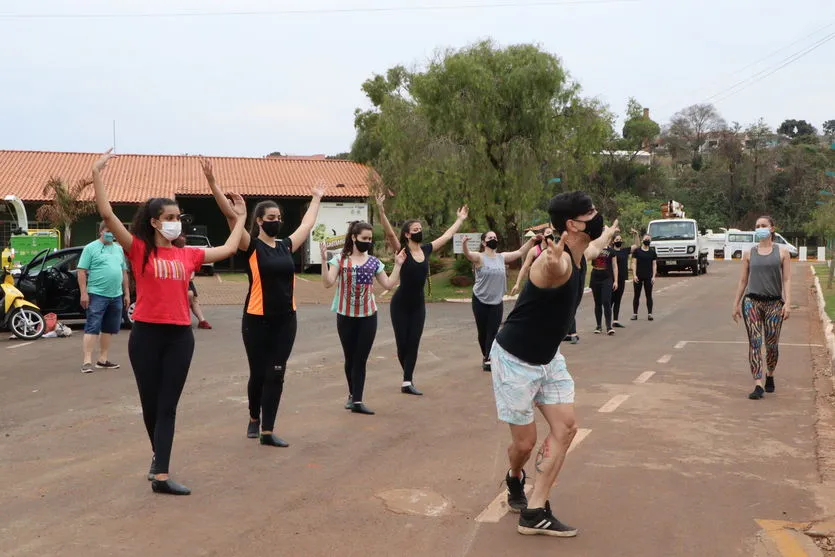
(269,320)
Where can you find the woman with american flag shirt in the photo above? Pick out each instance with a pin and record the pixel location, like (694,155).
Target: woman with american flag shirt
(353,272)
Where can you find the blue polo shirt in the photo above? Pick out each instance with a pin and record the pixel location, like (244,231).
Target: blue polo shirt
(104,264)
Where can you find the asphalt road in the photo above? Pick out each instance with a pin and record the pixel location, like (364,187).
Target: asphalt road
(680,463)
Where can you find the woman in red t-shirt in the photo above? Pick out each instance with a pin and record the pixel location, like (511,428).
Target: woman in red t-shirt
(161,342)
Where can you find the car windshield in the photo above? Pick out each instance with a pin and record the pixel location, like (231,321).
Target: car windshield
(201,241)
(58,260)
(672,230)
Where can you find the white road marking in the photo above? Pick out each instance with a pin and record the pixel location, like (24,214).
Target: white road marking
(498,506)
(613,403)
(19,345)
(680,344)
(644,377)
(683,343)
(302,278)
(665,358)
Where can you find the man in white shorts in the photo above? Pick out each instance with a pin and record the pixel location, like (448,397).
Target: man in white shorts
(528,368)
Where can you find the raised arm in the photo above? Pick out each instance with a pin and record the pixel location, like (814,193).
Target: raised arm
(302,233)
(223,203)
(123,236)
(509,257)
(389,282)
(233,242)
(523,272)
(438,243)
(474,257)
(787,282)
(600,244)
(636,240)
(736,311)
(328,273)
(391,236)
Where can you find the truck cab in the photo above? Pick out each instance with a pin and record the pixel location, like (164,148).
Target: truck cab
(678,245)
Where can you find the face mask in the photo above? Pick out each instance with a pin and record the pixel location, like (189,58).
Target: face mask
(362,246)
(594,227)
(171,230)
(762,234)
(646,242)
(417,236)
(492,243)
(271,227)
(108,237)
(618,244)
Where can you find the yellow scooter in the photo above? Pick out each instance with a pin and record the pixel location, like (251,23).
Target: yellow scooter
(23,318)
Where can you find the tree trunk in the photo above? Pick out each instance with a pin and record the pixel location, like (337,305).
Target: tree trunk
(67,235)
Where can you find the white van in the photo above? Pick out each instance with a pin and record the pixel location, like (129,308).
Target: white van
(740,241)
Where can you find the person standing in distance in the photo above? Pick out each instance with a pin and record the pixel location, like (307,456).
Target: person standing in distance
(603,281)
(621,255)
(528,369)
(763,299)
(644,269)
(105,291)
(529,259)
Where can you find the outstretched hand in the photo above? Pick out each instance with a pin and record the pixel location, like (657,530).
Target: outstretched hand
(381,198)
(208,171)
(238,205)
(400,258)
(463,212)
(319,189)
(99,165)
(556,248)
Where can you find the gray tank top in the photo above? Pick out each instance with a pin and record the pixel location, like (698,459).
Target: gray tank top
(765,276)
(490,280)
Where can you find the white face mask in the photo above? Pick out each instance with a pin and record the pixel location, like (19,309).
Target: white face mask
(171,230)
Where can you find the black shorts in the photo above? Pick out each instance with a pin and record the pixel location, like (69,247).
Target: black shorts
(192,288)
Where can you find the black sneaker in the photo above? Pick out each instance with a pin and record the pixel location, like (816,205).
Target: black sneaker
(516,498)
(757,393)
(252,429)
(597,331)
(617,325)
(107,364)
(575,339)
(769,384)
(542,521)
(610,332)
(486,365)
(650,317)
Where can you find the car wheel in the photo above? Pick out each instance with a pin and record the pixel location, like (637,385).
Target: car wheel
(127,316)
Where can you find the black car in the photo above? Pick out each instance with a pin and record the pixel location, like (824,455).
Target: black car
(50,281)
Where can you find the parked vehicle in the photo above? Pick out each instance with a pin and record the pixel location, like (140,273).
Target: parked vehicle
(22,317)
(740,241)
(50,280)
(678,245)
(202,242)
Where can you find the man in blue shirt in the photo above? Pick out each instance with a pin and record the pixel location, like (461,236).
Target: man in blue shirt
(103,280)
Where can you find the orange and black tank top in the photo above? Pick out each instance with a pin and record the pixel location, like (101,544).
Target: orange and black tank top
(272,278)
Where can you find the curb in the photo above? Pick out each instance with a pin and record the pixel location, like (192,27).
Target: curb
(825,320)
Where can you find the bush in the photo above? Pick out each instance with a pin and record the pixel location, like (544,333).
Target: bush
(436,264)
(462,267)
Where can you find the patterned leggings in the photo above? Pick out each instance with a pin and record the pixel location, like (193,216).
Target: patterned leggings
(762,319)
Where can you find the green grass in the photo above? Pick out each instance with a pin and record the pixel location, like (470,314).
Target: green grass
(828,293)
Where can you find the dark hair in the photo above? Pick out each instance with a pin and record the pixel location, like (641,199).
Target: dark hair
(354,229)
(566,206)
(770,221)
(404,229)
(483,236)
(258,213)
(141,226)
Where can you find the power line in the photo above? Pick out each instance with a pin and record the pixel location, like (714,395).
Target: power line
(543,3)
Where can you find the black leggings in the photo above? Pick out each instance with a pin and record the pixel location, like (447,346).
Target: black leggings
(407,320)
(357,337)
(160,356)
(488,318)
(617,296)
(602,292)
(647,286)
(268,342)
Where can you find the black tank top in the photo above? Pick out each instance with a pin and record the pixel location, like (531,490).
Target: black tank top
(541,318)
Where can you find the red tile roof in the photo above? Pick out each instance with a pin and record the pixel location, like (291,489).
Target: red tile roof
(135,178)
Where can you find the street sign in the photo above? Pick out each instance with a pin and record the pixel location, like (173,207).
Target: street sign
(458,241)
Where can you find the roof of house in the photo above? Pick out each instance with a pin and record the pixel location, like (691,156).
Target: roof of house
(135,178)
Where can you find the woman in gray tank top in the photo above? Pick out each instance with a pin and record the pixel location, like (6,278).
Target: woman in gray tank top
(763,299)
(490,287)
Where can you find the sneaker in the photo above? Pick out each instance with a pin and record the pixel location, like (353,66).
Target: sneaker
(349,404)
(756,394)
(597,331)
(87,368)
(650,317)
(107,364)
(769,384)
(610,332)
(542,521)
(575,339)
(486,365)
(516,498)
(617,325)
(253,429)
(204,325)
(634,318)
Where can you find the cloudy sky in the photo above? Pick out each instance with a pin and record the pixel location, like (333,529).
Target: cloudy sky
(287,76)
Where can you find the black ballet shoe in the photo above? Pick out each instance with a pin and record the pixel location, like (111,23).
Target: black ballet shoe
(769,384)
(349,403)
(252,429)
(486,365)
(152,474)
(410,390)
(360,408)
(170,487)
(273,440)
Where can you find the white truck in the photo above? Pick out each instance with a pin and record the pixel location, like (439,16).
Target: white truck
(330,228)
(679,245)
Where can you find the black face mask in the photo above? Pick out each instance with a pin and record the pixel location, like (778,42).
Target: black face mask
(492,243)
(417,236)
(362,246)
(271,227)
(646,242)
(618,244)
(594,227)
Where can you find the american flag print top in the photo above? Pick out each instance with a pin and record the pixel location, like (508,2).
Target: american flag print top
(354,286)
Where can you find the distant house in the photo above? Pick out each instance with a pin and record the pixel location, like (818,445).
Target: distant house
(131,179)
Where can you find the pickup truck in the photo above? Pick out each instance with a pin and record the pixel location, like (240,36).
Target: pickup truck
(202,242)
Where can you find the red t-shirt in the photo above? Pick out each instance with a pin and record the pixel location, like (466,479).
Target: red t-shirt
(162,289)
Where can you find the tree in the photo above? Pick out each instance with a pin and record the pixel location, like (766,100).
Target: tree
(274,154)
(829,128)
(66,206)
(689,129)
(761,159)
(483,125)
(339,157)
(797,128)
(639,130)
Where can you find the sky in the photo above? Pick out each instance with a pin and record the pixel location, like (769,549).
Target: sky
(289,81)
